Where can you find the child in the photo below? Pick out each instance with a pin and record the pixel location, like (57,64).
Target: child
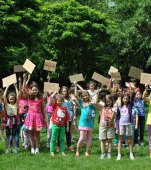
(34,121)
(60,119)
(106,130)
(86,121)
(69,105)
(12,119)
(139,104)
(124,124)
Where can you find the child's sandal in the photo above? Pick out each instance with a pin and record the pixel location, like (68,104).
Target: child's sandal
(63,154)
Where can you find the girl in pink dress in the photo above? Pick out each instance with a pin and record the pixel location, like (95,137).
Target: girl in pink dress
(34,121)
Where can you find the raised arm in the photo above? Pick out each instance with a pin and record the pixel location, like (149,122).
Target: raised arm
(5,95)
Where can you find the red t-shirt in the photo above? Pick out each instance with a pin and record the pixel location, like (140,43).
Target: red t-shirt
(60,115)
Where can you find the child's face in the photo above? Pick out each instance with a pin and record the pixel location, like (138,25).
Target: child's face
(11,99)
(91,86)
(138,95)
(125,100)
(59,101)
(120,92)
(24,95)
(34,91)
(109,102)
(64,92)
(85,97)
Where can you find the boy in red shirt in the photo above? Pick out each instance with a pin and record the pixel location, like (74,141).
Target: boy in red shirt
(60,118)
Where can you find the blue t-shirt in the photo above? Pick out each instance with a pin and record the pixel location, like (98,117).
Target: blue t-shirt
(87,115)
(139,105)
(134,113)
(69,105)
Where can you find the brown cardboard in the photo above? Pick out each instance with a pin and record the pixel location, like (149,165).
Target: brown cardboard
(103,80)
(145,78)
(19,68)
(112,70)
(135,72)
(29,66)
(77,77)
(50,65)
(51,87)
(116,76)
(9,80)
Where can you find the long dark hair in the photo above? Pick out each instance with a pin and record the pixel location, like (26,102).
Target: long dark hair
(34,84)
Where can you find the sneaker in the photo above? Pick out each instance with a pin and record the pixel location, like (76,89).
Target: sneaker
(52,154)
(86,154)
(14,151)
(63,154)
(109,155)
(37,151)
(132,157)
(142,143)
(136,145)
(118,157)
(7,151)
(32,150)
(71,149)
(102,156)
(47,145)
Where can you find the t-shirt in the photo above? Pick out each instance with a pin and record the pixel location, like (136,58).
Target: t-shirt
(11,110)
(106,118)
(134,113)
(124,116)
(93,94)
(139,104)
(60,115)
(69,105)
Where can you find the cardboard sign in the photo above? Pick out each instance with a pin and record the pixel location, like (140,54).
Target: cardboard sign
(50,65)
(19,68)
(135,72)
(29,66)
(116,76)
(9,80)
(112,70)
(145,78)
(51,87)
(103,80)
(77,77)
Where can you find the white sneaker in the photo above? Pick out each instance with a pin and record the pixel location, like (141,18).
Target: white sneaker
(37,151)
(102,156)
(142,143)
(118,157)
(32,150)
(14,151)
(132,157)
(7,151)
(109,155)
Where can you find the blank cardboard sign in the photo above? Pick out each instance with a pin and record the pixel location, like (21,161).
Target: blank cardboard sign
(116,76)
(9,80)
(50,65)
(145,78)
(135,72)
(103,80)
(112,70)
(77,77)
(51,87)
(29,66)
(19,68)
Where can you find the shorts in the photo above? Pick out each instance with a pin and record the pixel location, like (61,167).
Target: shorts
(11,131)
(126,130)
(106,133)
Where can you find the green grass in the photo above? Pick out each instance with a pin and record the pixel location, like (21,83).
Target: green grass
(25,161)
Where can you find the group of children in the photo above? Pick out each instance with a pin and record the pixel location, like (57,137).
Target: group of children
(121,116)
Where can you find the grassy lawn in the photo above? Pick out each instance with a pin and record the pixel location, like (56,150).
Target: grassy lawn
(25,161)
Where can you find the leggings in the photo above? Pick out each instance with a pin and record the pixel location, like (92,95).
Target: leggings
(82,137)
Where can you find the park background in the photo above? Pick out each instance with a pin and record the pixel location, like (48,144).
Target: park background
(82,36)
